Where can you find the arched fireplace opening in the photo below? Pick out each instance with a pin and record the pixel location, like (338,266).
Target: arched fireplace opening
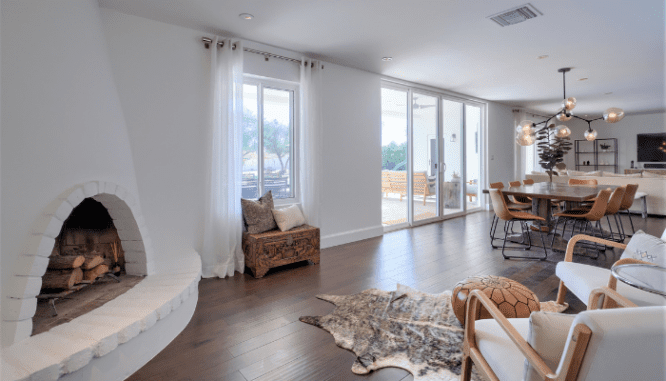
(86,267)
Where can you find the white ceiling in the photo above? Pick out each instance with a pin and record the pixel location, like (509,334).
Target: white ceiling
(618,45)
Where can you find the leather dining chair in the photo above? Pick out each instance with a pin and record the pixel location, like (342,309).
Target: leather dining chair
(510,217)
(584,216)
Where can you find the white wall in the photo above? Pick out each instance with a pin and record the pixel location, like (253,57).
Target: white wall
(351,197)
(62,123)
(501,140)
(162,74)
(625,131)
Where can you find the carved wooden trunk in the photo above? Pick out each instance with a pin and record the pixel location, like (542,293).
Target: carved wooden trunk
(275,248)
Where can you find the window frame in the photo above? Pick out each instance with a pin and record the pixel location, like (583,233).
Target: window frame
(294,87)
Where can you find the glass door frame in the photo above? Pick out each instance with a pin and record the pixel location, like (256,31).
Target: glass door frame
(483,130)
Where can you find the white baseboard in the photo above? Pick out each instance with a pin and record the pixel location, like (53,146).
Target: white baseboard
(351,236)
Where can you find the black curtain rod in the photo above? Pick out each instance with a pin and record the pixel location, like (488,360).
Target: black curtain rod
(207,41)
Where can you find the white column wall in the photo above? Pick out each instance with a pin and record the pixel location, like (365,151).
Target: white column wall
(62,122)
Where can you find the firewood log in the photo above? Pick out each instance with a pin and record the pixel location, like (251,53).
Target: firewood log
(66,262)
(96,272)
(92,261)
(62,279)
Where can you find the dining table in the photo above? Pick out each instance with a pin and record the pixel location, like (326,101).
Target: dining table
(543,194)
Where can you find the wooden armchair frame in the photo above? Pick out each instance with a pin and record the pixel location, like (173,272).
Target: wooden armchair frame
(573,357)
(612,282)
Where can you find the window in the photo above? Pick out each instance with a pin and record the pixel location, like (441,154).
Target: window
(268,138)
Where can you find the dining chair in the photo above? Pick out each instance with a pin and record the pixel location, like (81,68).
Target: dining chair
(528,182)
(626,203)
(520,200)
(583,216)
(576,182)
(511,205)
(510,217)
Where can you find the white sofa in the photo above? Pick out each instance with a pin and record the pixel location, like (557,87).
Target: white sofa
(653,186)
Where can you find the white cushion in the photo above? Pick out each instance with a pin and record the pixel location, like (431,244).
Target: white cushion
(639,195)
(663,235)
(647,248)
(613,174)
(500,352)
(547,335)
(288,218)
(581,279)
(653,175)
(626,344)
(581,173)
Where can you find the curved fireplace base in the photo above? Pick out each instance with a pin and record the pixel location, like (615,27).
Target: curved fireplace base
(115,340)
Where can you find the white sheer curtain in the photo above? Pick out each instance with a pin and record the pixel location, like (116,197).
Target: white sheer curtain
(311,144)
(518,150)
(222,253)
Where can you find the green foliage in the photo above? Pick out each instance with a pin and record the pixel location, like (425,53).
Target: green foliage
(551,149)
(277,138)
(393,154)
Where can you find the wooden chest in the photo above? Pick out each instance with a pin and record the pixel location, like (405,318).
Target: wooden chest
(275,248)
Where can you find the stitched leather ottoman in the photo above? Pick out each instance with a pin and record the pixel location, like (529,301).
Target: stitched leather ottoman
(512,298)
(275,248)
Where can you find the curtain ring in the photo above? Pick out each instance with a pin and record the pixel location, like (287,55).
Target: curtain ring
(233,46)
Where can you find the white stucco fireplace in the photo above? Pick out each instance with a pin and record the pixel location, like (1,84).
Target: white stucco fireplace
(110,342)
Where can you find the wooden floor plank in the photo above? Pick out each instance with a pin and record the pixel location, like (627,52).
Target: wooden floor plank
(247,329)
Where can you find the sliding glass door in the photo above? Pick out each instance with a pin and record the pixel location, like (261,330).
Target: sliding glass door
(452,168)
(425,156)
(431,156)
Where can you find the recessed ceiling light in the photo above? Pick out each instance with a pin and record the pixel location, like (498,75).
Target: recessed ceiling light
(542,57)
(582,79)
(246,16)
(608,93)
(387,58)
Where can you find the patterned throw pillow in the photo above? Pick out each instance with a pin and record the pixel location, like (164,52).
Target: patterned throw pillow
(647,248)
(288,218)
(258,214)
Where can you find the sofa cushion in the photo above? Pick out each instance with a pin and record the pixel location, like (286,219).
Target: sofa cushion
(653,175)
(503,356)
(547,335)
(581,279)
(258,214)
(613,174)
(581,173)
(647,248)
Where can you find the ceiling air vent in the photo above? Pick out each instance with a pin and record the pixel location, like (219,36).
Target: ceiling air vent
(516,15)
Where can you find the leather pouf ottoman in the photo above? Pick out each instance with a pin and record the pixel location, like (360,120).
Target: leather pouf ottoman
(512,298)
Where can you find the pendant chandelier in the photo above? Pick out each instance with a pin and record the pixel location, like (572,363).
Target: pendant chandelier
(526,131)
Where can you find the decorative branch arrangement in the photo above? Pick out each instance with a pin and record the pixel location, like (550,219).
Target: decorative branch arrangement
(551,149)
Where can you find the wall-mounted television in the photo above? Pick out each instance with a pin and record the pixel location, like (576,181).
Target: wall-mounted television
(651,147)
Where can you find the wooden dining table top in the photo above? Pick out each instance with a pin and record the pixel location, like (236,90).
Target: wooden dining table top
(564,192)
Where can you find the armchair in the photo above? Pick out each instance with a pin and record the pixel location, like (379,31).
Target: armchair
(593,345)
(581,279)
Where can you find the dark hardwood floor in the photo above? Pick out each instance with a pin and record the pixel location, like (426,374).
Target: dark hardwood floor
(248,329)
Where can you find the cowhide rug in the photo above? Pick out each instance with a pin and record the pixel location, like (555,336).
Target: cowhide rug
(405,329)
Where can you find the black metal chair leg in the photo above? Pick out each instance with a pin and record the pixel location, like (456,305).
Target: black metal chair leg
(620,228)
(633,231)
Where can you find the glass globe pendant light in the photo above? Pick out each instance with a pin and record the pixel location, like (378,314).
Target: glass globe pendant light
(524,139)
(590,134)
(564,116)
(562,131)
(526,126)
(613,115)
(569,103)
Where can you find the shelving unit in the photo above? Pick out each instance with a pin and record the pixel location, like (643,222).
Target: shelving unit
(595,155)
